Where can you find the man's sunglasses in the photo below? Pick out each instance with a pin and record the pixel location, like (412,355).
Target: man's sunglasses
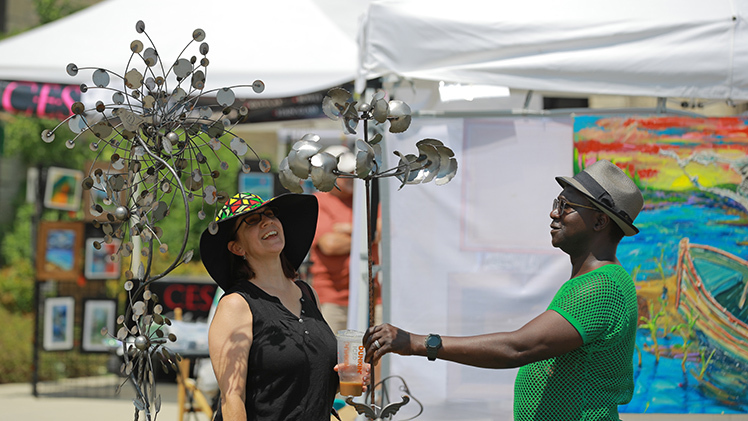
(559,205)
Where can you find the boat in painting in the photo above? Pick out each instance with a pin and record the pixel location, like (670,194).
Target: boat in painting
(713,286)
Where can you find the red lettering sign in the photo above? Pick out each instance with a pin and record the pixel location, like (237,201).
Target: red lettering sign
(189,297)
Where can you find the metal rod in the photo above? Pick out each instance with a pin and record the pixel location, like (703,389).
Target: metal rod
(550,113)
(35,218)
(370,264)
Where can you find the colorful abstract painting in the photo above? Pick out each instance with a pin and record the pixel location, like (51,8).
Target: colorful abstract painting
(689,261)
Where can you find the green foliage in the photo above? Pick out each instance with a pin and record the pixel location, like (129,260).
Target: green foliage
(17,287)
(23,141)
(16,243)
(16,360)
(15,341)
(51,10)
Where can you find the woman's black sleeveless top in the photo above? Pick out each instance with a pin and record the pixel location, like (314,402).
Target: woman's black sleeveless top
(290,374)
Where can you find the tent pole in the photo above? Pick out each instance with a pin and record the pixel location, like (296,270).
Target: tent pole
(552,113)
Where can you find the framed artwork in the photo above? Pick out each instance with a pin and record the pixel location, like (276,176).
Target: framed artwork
(98,314)
(63,189)
(58,251)
(97,194)
(99,263)
(59,314)
(261,184)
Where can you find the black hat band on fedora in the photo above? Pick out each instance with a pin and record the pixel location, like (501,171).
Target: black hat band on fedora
(601,195)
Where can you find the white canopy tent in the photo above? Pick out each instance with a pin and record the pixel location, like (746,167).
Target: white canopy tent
(294,46)
(670,48)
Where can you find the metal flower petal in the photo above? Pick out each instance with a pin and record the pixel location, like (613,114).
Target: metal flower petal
(448,166)
(339,104)
(365,159)
(288,179)
(323,171)
(399,116)
(418,171)
(301,152)
(335,102)
(427,148)
(403,174)
(380,109)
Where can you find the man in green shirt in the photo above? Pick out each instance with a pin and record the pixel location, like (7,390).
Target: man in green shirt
(576,358)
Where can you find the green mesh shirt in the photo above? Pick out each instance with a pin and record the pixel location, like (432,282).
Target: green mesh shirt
(590,382)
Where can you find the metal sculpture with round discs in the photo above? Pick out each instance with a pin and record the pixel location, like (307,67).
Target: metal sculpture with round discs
(154,137)
(306,160)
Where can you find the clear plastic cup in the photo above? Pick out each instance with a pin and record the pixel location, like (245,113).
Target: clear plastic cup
(350,362)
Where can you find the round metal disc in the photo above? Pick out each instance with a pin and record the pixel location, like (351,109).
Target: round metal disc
(100,78)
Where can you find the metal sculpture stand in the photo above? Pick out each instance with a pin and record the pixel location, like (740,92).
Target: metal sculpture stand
(306,160)
(373,411)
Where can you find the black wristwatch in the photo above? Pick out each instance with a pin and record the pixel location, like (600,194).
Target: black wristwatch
(433,343)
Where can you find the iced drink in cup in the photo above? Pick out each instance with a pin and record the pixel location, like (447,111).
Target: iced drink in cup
(350,362)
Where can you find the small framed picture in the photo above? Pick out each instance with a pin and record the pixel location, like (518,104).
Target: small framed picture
(63,189)
(98,314)
(59,248)
(99,263)
(59,315)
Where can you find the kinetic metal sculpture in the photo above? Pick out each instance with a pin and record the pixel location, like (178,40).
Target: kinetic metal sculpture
(155,135)
(434,162)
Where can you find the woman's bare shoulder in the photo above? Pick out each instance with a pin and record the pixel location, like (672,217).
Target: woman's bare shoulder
(232,303)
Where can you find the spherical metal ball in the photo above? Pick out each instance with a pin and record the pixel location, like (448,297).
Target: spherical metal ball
(121,213)
(141,342)
(173,137)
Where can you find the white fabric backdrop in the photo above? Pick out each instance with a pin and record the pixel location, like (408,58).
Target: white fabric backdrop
(474,256)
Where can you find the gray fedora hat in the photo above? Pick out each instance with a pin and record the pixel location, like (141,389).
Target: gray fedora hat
(611,191)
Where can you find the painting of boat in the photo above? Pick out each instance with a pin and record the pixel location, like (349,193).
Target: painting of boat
(713,286)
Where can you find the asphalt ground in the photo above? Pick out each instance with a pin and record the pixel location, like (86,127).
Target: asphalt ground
(89,399)
(93,399)
(97,399)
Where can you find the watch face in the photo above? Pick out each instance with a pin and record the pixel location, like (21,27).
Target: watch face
(433,341)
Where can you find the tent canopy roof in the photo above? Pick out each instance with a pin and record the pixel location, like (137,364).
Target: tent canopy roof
(291,45)
(667,48)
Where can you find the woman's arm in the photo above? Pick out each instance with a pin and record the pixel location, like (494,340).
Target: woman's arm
(229,341)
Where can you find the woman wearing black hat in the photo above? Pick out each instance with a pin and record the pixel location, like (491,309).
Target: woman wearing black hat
(271,349)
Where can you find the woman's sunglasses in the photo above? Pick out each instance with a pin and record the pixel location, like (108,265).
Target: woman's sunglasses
(255,218)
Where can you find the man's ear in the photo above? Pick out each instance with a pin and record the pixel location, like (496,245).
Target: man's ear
(235,248)
(601,221)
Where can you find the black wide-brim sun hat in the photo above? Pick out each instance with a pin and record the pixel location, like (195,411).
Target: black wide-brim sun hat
(611,191)
(296,212)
